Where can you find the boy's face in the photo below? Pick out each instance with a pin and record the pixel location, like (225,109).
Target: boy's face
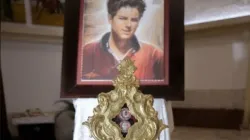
(125,22)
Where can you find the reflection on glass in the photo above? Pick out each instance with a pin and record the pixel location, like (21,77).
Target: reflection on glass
(13,11)
(47,12)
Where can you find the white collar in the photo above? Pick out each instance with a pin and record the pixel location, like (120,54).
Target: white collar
(115,56)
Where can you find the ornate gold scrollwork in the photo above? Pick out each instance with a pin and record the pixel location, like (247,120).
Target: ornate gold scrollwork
(147,126)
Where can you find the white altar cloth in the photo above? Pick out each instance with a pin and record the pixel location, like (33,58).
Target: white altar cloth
(84,109)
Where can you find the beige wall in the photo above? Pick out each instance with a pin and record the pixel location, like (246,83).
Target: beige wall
(215,60)
(215,71)
(31,74)
(216,63)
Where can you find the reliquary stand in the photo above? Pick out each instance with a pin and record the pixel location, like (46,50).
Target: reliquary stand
(125,113)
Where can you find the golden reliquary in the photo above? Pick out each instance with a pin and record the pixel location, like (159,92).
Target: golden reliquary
(125,113)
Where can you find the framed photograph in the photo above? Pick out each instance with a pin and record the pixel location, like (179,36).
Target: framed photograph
(98,34)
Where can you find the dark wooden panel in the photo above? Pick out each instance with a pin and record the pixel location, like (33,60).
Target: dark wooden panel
(5,133)
(36,132)
(208,118)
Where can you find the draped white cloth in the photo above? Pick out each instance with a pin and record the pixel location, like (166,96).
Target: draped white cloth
(84,108)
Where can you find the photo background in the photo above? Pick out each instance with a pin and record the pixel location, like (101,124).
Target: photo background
(150,29)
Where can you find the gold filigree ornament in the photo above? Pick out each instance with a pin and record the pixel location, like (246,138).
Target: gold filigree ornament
(147,125)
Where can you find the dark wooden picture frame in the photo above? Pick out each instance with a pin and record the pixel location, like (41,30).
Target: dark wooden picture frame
(173,37)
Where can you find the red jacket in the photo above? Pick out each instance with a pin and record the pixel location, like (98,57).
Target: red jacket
(99,61)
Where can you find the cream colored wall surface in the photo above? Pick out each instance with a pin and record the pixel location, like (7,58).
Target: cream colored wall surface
(31,74)
(217,59)
(216,62)
(215,71)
